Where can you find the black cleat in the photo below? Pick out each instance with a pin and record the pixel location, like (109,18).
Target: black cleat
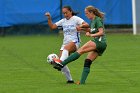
(57,64)
(70,82)
(58,67)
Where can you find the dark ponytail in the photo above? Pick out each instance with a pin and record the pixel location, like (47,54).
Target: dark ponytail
(70,9)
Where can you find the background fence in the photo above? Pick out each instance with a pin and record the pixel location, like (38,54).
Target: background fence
(29,13)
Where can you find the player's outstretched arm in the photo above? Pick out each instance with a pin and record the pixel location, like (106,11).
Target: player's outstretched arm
(83,27)
(51,25)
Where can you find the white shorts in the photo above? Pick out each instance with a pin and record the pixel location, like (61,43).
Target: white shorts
(76,43)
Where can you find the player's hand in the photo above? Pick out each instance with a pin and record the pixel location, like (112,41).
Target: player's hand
(88,34)
(85,29)
(48,14)
(78,28)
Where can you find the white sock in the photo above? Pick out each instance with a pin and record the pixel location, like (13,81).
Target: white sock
(65,54)
(65,70)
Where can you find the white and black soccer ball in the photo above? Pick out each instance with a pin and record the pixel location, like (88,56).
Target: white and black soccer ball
(51,57)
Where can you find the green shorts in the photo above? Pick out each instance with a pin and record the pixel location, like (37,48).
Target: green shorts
(100,46)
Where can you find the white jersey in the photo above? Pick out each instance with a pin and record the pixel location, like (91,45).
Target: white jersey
(69,29)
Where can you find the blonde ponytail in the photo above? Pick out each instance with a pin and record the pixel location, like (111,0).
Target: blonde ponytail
(95,11)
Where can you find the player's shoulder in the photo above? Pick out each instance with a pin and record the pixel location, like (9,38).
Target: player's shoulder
(98,18)
(76,17)
(79,19)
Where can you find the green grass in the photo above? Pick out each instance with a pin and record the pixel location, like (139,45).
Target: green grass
(23,67)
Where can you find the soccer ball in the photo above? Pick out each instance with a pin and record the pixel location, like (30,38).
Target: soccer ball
(50,58)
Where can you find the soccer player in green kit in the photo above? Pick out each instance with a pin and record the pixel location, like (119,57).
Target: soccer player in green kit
(94,47)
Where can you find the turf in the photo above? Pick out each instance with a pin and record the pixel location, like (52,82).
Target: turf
(23,67)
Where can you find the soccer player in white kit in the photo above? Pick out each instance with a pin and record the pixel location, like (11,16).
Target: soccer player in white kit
(71,25)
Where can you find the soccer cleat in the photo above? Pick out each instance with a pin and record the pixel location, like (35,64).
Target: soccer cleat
(77,83)
(70,82)
(57,64)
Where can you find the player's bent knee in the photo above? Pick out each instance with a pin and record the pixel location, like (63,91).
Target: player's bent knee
(80,51)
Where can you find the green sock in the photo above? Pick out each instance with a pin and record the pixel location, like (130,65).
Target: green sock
(85,73)
(71,58)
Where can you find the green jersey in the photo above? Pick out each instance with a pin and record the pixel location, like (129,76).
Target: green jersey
(100,40)
(95,25)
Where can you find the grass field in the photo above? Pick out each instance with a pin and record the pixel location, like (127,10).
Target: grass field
(23,67)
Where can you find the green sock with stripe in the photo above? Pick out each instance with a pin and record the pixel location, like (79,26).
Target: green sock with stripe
(86,70)
(84,76)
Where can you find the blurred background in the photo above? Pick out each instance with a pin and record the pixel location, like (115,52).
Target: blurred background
(26,17)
